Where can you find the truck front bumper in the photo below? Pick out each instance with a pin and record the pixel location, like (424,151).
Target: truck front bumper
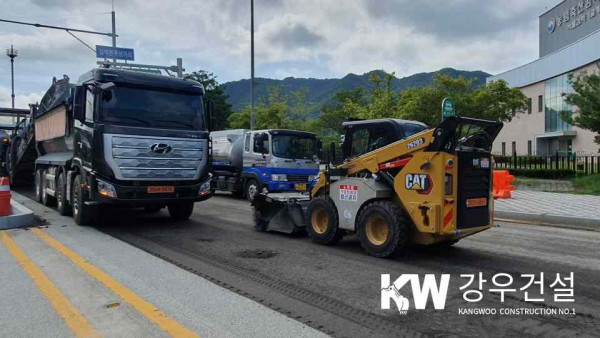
(286,186)
(137,195)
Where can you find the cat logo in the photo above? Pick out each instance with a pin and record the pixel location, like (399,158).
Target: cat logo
(419,182)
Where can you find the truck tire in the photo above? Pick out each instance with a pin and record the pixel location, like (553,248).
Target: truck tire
(323,221)
(82,214)
(47,200)
(38,185)
(383,229)
(252,188)
(61,195)
(181,211)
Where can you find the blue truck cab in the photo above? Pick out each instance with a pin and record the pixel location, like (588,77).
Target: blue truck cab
(247,162)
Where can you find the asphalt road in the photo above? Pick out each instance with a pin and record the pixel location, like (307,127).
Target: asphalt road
(337,289)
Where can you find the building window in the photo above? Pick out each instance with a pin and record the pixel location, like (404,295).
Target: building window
(555,103)
(540,103)
(529,148)
(529,104)
(503,148)
(514,148)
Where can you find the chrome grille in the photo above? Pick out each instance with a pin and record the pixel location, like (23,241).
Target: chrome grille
(134,159)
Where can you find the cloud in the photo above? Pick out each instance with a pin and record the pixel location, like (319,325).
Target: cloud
(314,38)
(21,100)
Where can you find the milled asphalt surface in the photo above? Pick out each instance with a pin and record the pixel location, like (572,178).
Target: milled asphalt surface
(337,289)
(203,307)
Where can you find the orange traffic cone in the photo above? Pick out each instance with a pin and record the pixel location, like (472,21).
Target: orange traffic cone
(502,187)
(4,196)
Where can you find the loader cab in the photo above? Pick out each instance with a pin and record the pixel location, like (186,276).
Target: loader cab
(363,136)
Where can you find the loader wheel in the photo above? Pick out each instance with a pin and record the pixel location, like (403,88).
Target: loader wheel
(323,221)
(383,229)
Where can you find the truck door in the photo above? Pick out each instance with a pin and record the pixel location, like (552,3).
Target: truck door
(85,131)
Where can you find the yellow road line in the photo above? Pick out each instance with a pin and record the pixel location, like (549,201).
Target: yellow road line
(165,322)
(75,321)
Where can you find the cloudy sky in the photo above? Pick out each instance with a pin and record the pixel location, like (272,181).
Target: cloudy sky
(307,38)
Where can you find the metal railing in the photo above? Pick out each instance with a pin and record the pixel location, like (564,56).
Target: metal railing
(583,165)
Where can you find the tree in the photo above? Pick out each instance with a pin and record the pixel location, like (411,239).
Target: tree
(216,93)
(587,100)
(281,111)
(495,101)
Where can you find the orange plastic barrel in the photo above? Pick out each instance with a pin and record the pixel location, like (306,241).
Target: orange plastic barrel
(4,196)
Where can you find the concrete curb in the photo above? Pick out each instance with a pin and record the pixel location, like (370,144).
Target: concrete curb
(20,217)
(547,219)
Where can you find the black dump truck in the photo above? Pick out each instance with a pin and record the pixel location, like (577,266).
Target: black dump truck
(124,138)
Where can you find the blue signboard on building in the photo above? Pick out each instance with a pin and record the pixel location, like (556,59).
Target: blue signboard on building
(107,52)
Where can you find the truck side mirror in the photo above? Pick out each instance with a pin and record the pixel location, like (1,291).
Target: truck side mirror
(102,87)
(79,103)
(209,115)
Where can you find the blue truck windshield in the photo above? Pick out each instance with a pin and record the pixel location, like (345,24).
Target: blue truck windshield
(294,146)
(152,108)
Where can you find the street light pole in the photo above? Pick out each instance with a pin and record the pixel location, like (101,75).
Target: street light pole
(252,64)
(12,54)
(114,28)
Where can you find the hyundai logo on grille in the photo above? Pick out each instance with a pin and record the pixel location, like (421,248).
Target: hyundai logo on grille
(160,148)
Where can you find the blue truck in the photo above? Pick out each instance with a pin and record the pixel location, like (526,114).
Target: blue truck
(246,162)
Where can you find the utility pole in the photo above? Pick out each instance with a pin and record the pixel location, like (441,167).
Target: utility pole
(114,28)
(252,64)
(12,54)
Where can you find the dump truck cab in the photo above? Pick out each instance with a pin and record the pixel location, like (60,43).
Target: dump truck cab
(125,138)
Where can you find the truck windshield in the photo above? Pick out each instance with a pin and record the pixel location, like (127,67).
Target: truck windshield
(155,108)
(294,146)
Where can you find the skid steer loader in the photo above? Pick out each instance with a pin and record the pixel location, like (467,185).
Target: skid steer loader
(432,187)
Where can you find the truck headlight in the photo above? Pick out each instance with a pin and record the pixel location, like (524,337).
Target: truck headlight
(106,189)
(312,178)
(204,188)
(278,177)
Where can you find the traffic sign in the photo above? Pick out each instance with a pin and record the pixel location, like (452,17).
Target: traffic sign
(447,108)
(107,52)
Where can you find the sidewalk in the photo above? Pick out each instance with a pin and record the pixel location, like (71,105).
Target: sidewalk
(63,280)
(581,211)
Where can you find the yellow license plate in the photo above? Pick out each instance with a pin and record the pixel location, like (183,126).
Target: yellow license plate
(476,202)
(300,186)
(161,189)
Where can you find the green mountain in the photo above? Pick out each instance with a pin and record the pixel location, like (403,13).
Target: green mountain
(322,90)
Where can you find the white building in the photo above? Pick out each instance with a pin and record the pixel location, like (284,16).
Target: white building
(569,43)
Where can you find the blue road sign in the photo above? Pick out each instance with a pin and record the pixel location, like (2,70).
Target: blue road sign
(107,52)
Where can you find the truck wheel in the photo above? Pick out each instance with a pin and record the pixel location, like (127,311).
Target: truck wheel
(252,189)
(61,196)
(47,200)
(38,185)
(181,211)
(323,221)
(82,213)
(383,229)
